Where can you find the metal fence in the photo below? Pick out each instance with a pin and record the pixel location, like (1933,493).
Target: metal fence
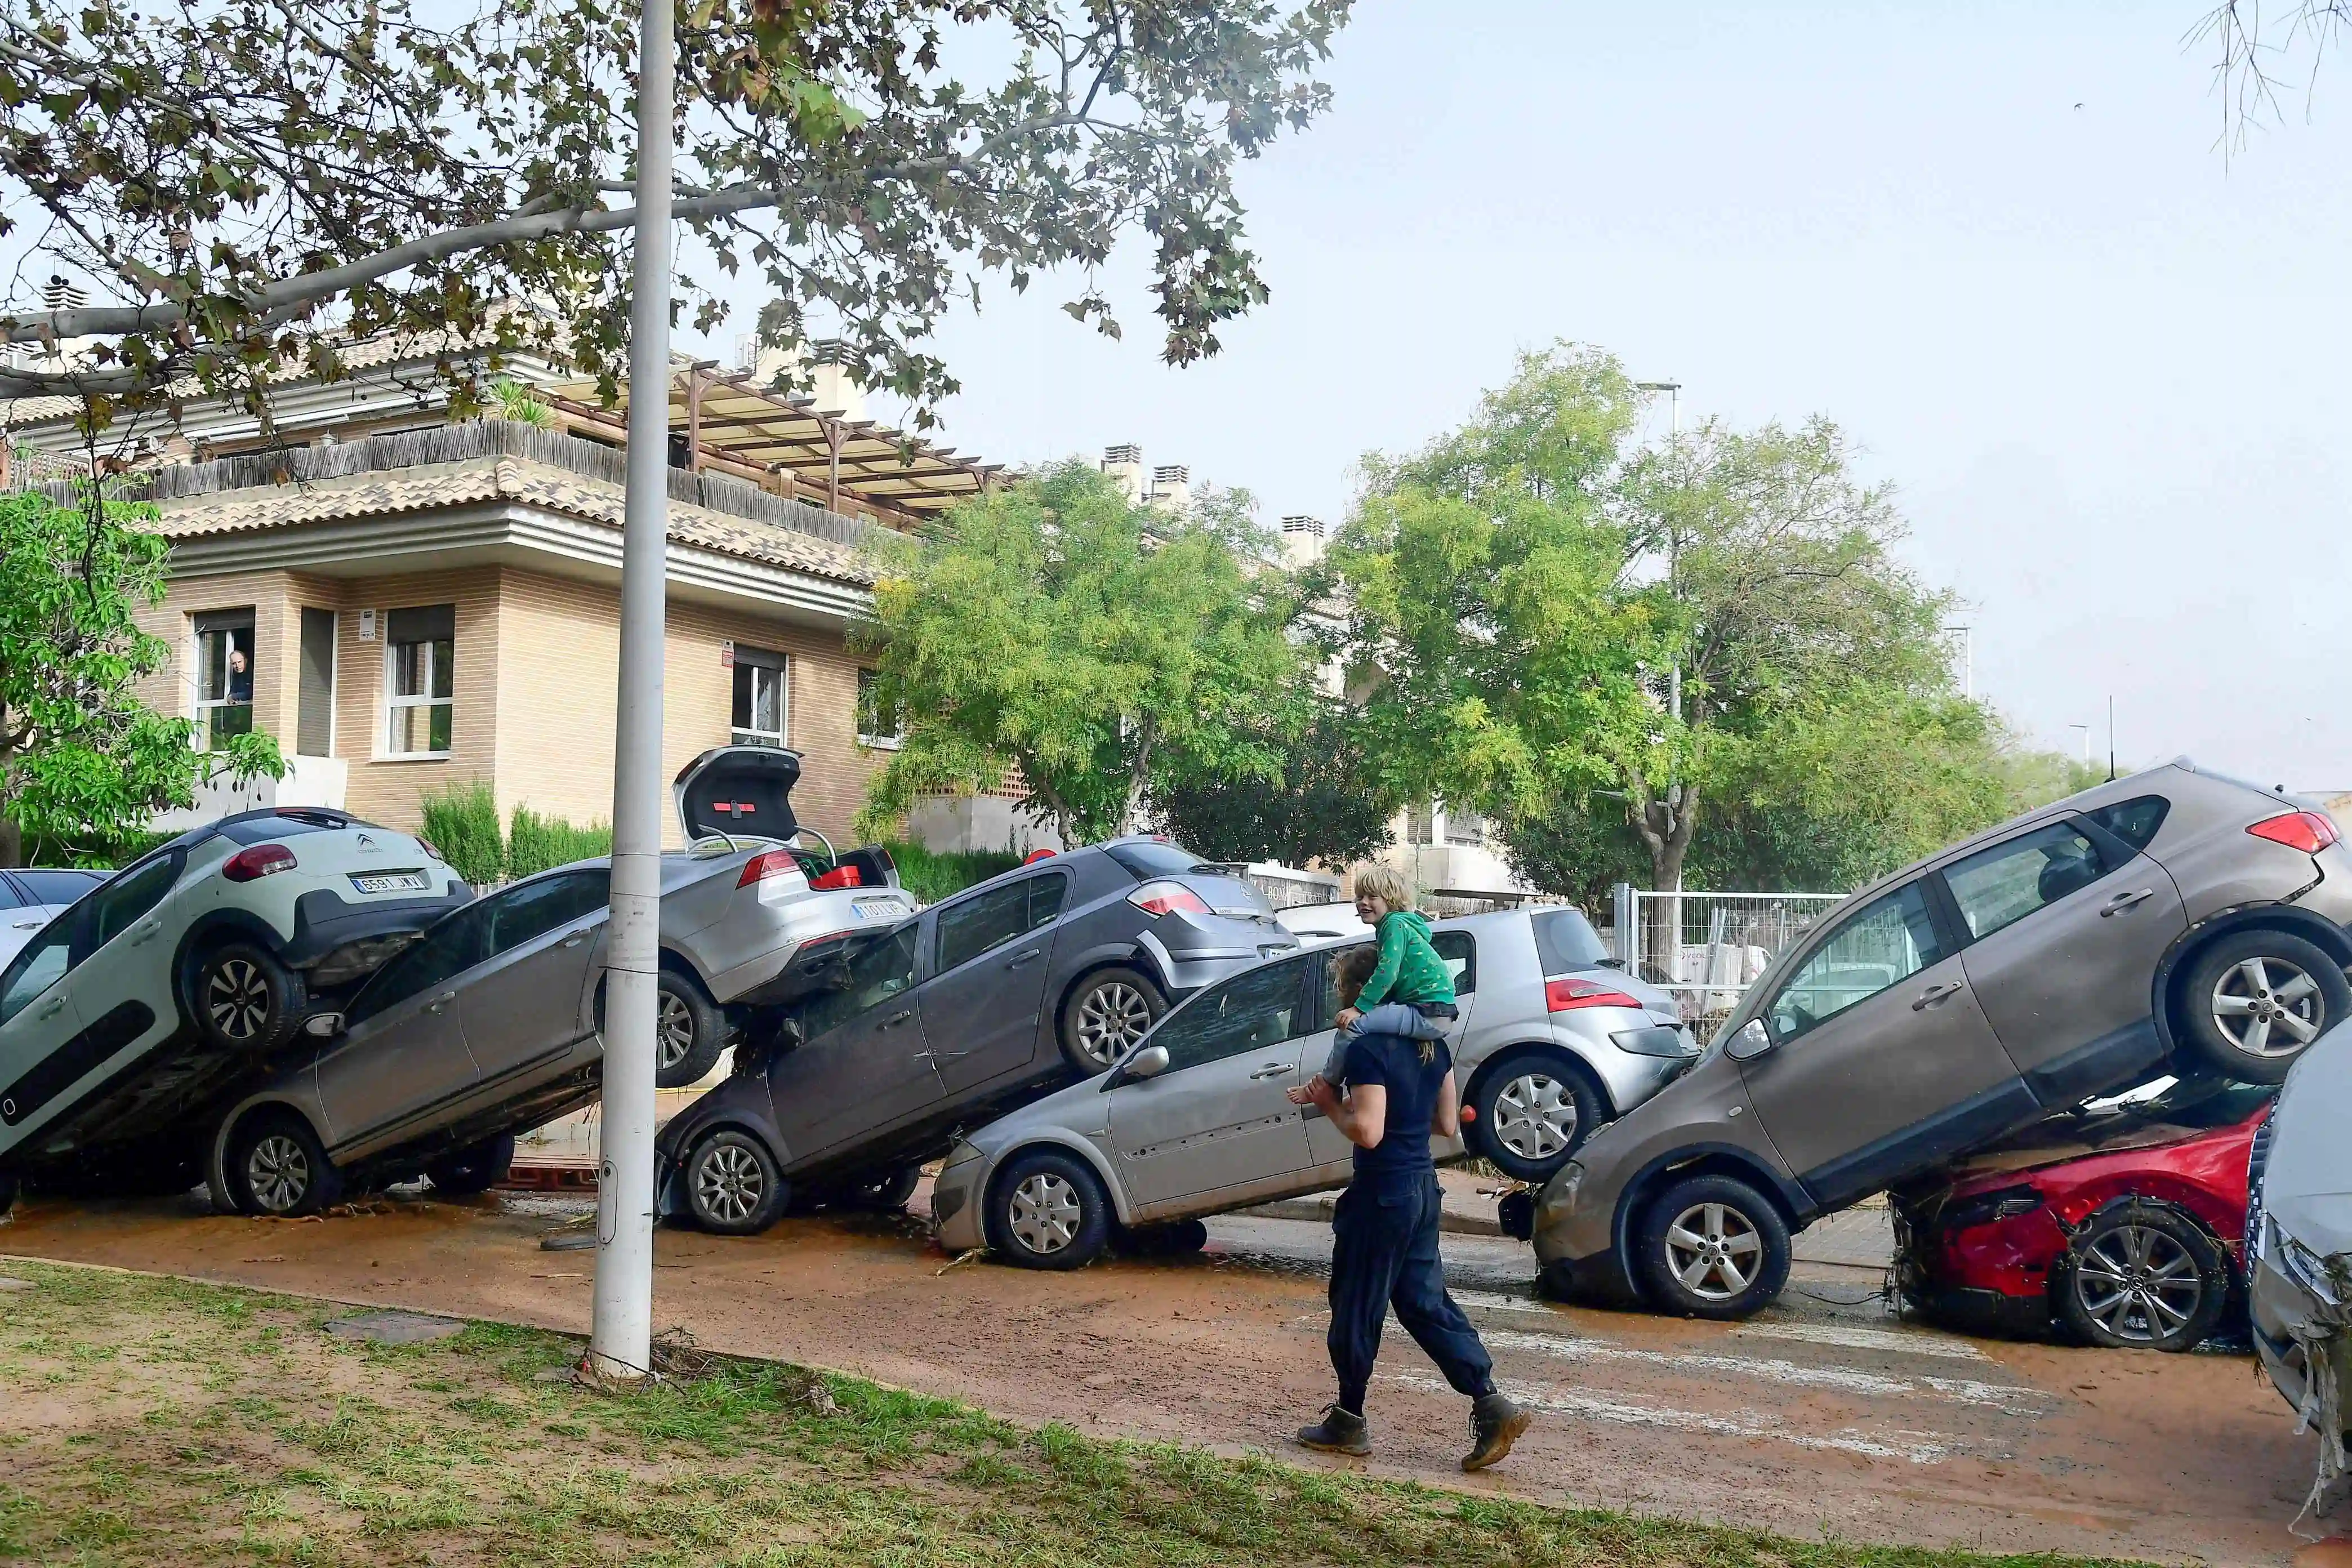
(1707,948)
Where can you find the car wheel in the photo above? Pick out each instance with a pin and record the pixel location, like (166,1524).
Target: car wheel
(2255,998)
(1712,1246)
(1106,1016)
(689,1031)
(1049,1211)
(2137,1277)
(245,1000)
(473,1169)
(732,1184)
(1534,1111)
(278,1166)
(884,1191)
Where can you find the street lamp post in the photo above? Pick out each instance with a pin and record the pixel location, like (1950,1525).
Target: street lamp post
(621,1343)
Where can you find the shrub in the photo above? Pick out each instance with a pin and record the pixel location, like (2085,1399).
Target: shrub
(536,843)
(462,821)
(931,875)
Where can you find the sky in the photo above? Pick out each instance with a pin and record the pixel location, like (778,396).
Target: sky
(2099,356)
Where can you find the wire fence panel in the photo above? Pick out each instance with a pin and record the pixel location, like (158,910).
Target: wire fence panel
(1707,948)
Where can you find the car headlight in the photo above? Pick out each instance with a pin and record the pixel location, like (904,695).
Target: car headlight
(964,1154)
(2320,1276)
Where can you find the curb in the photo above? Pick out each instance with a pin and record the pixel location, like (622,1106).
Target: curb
(1318,1210)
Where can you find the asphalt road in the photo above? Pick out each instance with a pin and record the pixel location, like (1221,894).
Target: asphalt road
(1820,1415)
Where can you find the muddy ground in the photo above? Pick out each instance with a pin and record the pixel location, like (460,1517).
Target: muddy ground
(1820,1416)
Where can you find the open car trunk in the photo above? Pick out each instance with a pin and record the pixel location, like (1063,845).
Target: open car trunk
(739,792)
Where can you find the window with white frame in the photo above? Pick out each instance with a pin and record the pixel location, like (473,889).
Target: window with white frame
(224,676)
(762,701)
(1464,827)
(419,666)
(878,721)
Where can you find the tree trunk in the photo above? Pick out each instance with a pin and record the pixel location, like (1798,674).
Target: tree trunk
(12,845)
(1665,826)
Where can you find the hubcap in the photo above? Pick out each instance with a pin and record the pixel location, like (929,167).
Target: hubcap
(1110,1020)
(729,1184)
(278,1174)
(237,998)
(1534,1117)
(675,1031)
(1715,1251)
(2269,1007)
(1046,1212)
(2138,1284)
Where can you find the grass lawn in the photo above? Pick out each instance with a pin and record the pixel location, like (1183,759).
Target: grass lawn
(163,1421)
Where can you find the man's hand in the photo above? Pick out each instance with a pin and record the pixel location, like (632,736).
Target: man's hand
(1346,1016)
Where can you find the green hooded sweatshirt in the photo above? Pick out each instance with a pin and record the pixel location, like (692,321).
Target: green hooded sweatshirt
(1409,970)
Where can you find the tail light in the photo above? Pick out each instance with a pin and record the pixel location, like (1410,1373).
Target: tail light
(1168,898)
(257,861)
(430,852)
(1565,996)
(839,877)
(766,864)
(2305,830)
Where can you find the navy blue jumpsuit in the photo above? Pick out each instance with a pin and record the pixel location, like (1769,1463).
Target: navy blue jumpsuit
(1384,1251)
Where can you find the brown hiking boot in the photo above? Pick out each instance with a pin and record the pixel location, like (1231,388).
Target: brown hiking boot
(1495,1424)
(1339,1432)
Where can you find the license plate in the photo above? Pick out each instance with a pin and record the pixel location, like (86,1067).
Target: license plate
(877,908)
(390,883)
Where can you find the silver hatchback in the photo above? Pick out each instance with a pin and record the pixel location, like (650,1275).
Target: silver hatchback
(1553,1041)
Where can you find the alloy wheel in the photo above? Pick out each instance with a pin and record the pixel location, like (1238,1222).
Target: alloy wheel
(674,1030)
(2138,1284)
(1046,1214)
(1535,1116)
(729,1184)
(1715,1251)
(1110,1020)
(2268,1007)
(237,998)
(278,1174)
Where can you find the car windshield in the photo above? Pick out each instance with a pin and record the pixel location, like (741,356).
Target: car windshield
(1147,859)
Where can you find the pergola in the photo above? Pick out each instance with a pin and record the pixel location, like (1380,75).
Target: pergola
(728,417)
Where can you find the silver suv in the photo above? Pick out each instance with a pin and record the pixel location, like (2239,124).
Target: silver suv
(2174,918)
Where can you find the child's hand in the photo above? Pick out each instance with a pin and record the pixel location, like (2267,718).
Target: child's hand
(1346,1016)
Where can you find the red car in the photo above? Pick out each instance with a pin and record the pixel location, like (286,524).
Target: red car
(2123,1224)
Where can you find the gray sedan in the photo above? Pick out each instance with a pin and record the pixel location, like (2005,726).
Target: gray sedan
(1551,1042)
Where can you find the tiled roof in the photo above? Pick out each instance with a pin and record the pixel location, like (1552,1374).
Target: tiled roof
(501,479)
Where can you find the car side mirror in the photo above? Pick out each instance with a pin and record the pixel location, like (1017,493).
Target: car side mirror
(323,1026)
(1751,1040)
(1148,1063)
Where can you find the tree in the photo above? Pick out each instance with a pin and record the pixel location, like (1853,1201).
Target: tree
(1102,648)
(83,763)
(246,184)
(1322,801)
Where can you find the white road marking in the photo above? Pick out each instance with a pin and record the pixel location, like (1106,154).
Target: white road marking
(1917,1447)
(2015,1399)
(1902,1342)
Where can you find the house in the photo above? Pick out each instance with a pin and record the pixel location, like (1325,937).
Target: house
(408,602)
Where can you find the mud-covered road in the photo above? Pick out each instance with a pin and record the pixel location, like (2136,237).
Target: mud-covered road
(1819,1416)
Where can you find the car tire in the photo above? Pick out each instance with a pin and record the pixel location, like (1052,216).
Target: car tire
(474,1170)
(245,1000)
(1712,1246)
(733,1187)
(1534,1111)
(2141,1277)
(276,1166)
(880,1192)
(1049,1211)
(2251,1001)
(689,1031)
(1106,1015)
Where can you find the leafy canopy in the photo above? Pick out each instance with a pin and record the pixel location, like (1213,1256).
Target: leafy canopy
(83,763)
(243,184)
(1100,647)
(1323,800)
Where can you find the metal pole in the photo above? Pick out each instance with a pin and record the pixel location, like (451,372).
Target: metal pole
(621,1344)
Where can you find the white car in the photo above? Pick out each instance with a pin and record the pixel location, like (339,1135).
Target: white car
(188,968)
(30,899)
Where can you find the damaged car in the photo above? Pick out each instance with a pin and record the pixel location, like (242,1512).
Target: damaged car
(2300,1237)
(491,1024)
(2120,1226)
(186,971)
(2172,920)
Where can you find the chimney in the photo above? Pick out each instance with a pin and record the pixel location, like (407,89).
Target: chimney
(832,381)
(58,294)
(1171,487)
(1124,464)
(1302,539)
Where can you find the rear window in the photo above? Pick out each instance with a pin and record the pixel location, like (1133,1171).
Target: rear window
(1565,939)
(1146,860)
(2132,821)
(280,825)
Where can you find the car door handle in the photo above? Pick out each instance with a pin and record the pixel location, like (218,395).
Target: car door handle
(1021,958)
(1271,1069)
(575,939)
(895,1020)
(146,932)
(2123,901)
(440,1002)
(1934,993)
(51,1011)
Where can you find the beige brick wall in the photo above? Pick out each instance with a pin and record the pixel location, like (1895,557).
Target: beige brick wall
(277,644)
